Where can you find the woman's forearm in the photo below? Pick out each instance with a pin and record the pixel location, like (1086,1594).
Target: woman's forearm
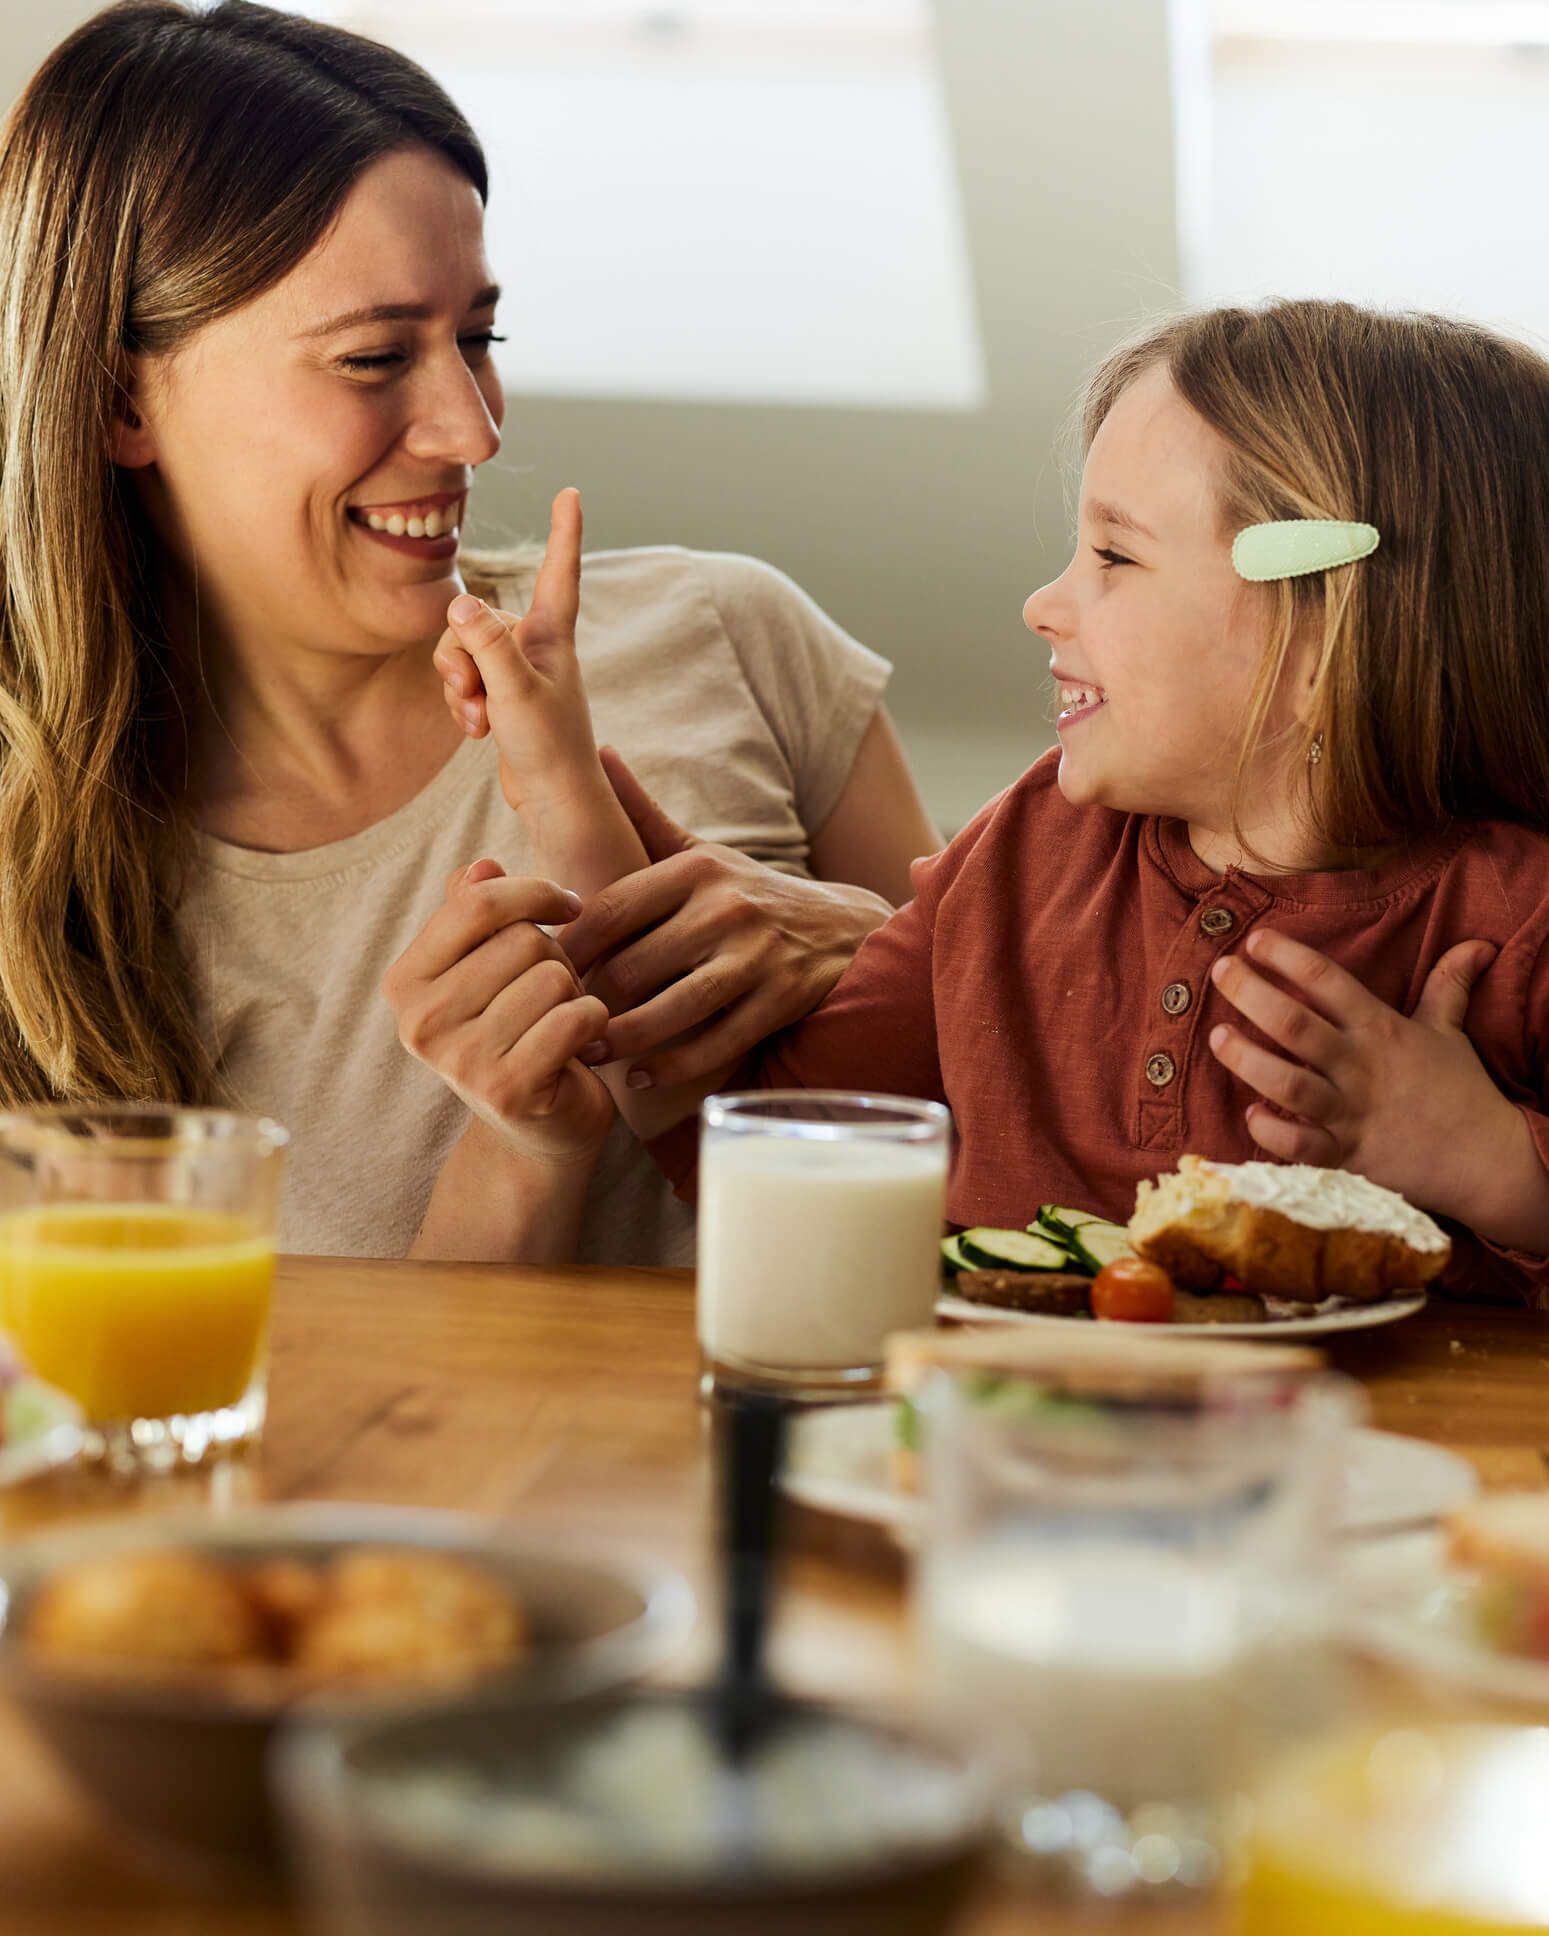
(492,1205)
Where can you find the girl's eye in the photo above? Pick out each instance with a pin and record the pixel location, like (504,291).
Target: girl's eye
(1111,558)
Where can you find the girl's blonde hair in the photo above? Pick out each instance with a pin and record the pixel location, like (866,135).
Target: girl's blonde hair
(164,166)
(1431,695)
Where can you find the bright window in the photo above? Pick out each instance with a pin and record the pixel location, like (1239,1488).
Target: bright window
(739,200)
(1394,152)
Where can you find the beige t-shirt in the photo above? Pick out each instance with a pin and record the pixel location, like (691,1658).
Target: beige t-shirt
(738,703)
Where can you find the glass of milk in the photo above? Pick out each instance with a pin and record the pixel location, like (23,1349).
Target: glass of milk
(819,1232)
(1121,1601)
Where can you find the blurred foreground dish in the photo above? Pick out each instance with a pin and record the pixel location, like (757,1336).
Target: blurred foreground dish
(284,1627)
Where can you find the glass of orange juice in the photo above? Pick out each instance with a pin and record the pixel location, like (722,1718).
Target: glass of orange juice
(136,1258)
(1429,1828)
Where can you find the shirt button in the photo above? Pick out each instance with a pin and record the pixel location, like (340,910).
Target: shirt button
(1217,920)
(1176,997)
(1160,1069)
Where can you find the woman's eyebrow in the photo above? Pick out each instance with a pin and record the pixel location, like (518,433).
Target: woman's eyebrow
(1119,519)
(395,313)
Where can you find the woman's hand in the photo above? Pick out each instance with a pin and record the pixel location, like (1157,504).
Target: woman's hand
(488,1000)
(1403,1100)
(707,944)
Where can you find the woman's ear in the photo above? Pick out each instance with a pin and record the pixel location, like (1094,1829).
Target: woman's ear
(131,441)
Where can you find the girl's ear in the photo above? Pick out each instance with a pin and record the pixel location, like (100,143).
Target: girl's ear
(131,441)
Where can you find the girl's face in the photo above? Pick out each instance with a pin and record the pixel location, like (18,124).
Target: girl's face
(1155,641)
(282,447)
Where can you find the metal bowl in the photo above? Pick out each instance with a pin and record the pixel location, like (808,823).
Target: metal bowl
(180,1764)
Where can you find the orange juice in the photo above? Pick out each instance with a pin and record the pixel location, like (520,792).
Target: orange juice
(137,1310)
(1424,1831)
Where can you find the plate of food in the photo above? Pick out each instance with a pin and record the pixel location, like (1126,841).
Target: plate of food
(1465,1605)
(1254,1250)
(860,1462)
(40,1426)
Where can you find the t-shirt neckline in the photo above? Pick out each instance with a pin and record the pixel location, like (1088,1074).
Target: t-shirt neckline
(371,844)
(1330,887)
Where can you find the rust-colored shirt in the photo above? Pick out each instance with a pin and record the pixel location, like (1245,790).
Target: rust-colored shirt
(1050,982)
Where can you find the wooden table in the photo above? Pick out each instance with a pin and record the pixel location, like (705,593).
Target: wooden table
(566,1400)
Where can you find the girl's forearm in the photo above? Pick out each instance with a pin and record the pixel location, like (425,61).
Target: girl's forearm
(582,837)
(493,1205)
(1506,1199)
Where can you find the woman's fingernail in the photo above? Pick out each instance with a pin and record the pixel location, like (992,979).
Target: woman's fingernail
(464,608)
(593,1053)
(638,1079)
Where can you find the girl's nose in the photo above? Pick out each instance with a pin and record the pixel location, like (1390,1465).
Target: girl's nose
(453,422)
(1043,611)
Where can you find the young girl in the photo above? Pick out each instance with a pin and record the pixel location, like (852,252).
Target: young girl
(1283,889)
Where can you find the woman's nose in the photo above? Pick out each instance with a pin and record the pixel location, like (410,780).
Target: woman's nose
(452,420)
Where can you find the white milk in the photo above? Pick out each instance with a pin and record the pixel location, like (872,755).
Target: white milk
(1117,1669)
(811,1251)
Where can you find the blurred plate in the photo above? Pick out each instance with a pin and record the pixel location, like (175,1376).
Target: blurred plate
(1411,1609)
(178,1760)
(41,1430)
(1347,1317)
(840,1462)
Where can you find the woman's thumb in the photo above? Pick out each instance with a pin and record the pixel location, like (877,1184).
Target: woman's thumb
(660,834)
(1444,999)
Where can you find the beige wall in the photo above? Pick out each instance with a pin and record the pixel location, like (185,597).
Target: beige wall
(921,532)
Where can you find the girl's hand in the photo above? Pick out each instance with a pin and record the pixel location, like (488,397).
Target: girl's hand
(518,677)
(488,1000)
(1403,1100)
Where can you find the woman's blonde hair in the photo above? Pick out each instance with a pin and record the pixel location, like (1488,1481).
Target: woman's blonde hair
(164,166)
(1431,701)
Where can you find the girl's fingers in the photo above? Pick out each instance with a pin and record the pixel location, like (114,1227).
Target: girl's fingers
(486,641)
(1295,1026)
(1303,1091)
(1293,1142)
(1443,1002)
(556,597)
(1329,989)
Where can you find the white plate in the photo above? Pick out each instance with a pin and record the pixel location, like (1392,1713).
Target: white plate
(1348,1317)
(840,1462)
(42,1430)
(1409,1607)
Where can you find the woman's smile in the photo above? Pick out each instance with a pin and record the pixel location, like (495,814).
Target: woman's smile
(421,527)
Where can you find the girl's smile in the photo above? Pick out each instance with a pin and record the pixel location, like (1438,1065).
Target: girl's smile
(1156,643)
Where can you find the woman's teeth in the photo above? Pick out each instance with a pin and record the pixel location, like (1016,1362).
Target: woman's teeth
(432,525)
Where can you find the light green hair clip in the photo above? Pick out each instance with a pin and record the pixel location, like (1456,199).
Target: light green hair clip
(1296,546)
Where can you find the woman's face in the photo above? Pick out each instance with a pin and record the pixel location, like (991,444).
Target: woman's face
(290,452)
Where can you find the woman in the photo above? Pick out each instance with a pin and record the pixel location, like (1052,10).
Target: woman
(245,381)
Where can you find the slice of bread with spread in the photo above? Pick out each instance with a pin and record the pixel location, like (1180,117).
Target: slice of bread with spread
(1285,1230)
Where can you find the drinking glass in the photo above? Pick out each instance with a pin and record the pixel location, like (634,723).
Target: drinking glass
(136,1257)
(819,1232)
(1119,1595)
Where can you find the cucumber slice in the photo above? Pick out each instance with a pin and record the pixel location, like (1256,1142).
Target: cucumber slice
(992,1249)
(1055,1216)
(1104,1243)
(952,1258)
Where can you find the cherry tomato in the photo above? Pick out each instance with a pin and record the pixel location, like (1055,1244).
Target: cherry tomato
(1133,1292)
